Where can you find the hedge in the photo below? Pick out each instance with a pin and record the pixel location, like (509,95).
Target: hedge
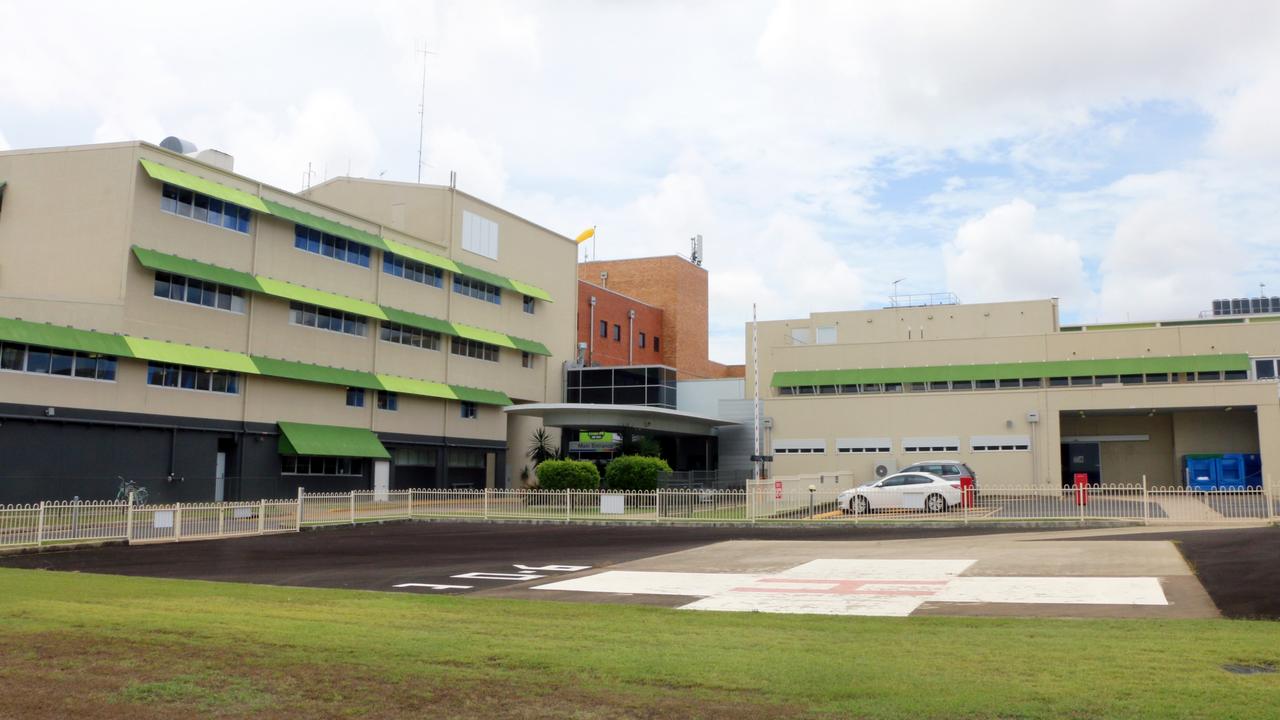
(567,475)
(634,472)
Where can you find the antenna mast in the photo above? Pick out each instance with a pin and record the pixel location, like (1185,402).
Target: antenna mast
(755,376)
(422,109)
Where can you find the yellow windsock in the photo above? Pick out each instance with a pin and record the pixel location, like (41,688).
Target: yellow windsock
(586,235)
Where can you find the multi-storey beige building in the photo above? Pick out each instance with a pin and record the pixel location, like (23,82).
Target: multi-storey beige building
(1023,400)
(168,321)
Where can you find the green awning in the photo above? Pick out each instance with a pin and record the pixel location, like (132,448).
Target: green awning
(330,441)
(63,338)
(289,291)
(278,288)
(1014,371)
(153,260)
(316,373)
(410,386)
(325,225)
(176,354)
(483,397)
(205,187)
(453,266)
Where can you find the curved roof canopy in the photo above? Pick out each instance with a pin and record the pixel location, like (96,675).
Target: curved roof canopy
(640,417)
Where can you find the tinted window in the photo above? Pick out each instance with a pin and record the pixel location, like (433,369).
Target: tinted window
(950,470)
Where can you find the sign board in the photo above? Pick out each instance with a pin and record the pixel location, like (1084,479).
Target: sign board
(761,458)
(163,519)
(594,436)
(777,489)
(241,513)
(613,504)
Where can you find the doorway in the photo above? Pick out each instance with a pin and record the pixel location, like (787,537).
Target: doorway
(1081,457)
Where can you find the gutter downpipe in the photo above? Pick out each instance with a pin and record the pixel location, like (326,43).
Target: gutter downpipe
(631,344)
(591,333)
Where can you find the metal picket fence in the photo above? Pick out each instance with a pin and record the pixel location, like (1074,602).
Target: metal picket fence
(765,502)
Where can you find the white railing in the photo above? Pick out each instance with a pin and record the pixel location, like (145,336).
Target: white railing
(766,502)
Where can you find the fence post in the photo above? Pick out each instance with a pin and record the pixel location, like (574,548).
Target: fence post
(966,499)
(128,520)
(484,505)
(300,493)
(262,515)
(1271,496)
(568,505)
(177,522)
(1146,506)
(40,526)
(657,505)
(410,503)
(353,507)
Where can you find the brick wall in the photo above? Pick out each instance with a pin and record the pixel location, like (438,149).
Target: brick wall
(679,289)
(611,309)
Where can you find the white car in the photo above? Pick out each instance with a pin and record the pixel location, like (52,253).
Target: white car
(903,491)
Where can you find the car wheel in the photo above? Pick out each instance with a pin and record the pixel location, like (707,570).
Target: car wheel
(935,503)
(860,505)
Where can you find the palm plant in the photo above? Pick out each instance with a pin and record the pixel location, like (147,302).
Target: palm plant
(541,447)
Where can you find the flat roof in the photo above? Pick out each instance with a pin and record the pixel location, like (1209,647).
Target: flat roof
(640,417)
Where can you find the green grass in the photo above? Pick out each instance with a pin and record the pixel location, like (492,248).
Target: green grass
(149,648)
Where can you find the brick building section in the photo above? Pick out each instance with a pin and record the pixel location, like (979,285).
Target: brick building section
(611,308)
(679,289)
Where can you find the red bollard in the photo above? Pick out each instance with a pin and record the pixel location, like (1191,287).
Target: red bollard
(966,491)
(1082,488)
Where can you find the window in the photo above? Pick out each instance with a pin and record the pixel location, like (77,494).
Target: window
(393,264)
(411,336)
(199,292)
(478,289)
(326,319)
(388,400)
(604,328)
(642,341)
(825,335)
(17,357)
(657,344)
(800,336)
(617,333)
(474,349)
(468,410)
(800,447)
(415,456)
(961,384)
(312,465)
(330,246)
(459,458)
(206,209)
(526,359)
(479,235)
(1235,375)
(355,397)
(1000,443)
(930,444)
(528,304)
(185,377)
(1264,369)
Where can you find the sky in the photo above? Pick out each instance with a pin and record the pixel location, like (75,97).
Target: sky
(1123,156)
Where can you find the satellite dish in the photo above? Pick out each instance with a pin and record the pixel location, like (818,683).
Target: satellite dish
(178,145)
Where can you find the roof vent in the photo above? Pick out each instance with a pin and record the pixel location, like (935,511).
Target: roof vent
(178,145)
(217,158)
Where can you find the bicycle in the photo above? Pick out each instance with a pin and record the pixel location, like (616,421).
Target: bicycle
(130,488)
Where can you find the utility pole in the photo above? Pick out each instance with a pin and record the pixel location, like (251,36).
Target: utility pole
(755,376)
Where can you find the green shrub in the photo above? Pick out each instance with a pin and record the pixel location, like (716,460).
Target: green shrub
(567,475)
(634,472)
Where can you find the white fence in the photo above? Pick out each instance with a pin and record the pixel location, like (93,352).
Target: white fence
(50,523)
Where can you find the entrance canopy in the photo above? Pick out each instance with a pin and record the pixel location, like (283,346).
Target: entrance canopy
(639,417)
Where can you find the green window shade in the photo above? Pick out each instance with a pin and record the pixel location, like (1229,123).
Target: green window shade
(302,294)
(404,317)
(188,355)
(65,338)
(316,373)
(153,260)
(1060,368)
(483,397)
(330,441)
(530,346)
(409,386)
(200,185)
(325,225)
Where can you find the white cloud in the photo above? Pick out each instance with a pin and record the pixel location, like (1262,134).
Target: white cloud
(1167,260)
(1003,256)
(4,144)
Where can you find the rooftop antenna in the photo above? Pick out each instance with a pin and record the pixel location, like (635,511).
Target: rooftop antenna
(1262,289)
(895,290)
(422,108)
(306,177)
(695,250)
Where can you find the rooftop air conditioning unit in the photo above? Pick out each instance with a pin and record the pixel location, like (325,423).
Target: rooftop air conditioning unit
(885,468)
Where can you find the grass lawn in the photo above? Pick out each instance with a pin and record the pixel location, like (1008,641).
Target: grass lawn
(96,646)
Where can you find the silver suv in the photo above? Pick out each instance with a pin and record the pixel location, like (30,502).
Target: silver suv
(949,470)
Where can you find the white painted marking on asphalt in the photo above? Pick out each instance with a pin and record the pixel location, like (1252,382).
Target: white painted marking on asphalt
(497,576)
(866,587)
(554,568)
(433,586)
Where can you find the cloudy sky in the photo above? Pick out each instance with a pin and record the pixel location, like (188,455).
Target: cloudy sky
(1123,156)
